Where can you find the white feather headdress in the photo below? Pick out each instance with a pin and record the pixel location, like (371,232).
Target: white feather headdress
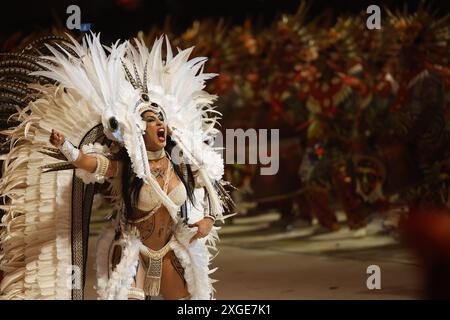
(175,83)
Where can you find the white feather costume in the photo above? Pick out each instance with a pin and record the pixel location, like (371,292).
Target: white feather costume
(44,222)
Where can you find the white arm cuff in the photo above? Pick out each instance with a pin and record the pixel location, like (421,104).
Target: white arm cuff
(69,151)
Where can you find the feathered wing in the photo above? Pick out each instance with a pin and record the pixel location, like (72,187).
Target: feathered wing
(37,237)
(19,260)
(36,241)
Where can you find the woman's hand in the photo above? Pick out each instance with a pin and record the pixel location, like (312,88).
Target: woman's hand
(204,227)
(56,138)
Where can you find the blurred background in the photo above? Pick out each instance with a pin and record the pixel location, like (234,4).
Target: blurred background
(364,135)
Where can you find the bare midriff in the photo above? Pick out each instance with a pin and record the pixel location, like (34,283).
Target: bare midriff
(156,230)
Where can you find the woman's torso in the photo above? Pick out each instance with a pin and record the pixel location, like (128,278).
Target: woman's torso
(150,217)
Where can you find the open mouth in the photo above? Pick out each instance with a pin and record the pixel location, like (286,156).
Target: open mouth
(161,134)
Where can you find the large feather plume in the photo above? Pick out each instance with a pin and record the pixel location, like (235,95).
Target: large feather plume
(174,82)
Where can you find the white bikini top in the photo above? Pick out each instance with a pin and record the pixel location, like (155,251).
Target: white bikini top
(148,201)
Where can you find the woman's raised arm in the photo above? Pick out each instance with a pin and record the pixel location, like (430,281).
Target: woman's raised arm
(90,163)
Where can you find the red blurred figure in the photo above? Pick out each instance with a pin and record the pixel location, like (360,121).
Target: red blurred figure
(427,232)
(129,4)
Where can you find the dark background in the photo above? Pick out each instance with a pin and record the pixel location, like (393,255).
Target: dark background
(123,18)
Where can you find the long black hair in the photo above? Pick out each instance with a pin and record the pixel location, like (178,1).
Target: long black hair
(131,184)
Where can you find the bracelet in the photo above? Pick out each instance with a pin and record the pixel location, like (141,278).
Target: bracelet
(69,151)
(210,217)
(102,165)
(136,293)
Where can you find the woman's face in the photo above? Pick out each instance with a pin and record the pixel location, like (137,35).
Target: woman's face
(155,132)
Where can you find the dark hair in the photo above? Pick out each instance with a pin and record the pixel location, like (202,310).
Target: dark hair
(131,184)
